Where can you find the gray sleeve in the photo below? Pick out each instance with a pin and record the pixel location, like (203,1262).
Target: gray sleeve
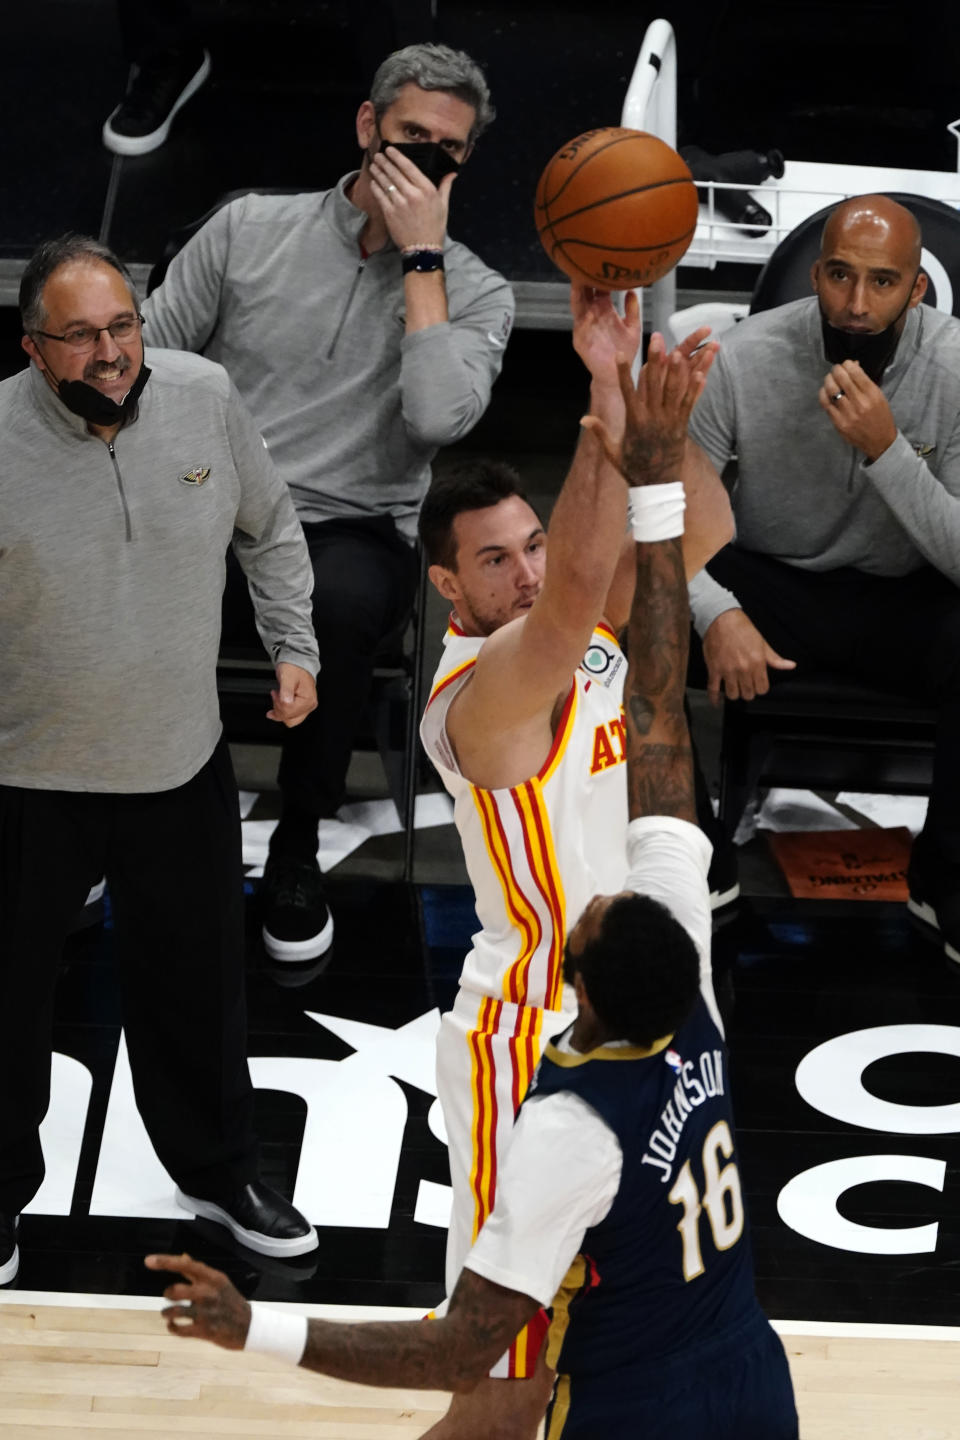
(447,371)
(713,425)
(268,542)
(182,313)
(926,505)
(708,599)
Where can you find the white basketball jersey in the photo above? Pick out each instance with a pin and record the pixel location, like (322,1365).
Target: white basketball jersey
(538,851)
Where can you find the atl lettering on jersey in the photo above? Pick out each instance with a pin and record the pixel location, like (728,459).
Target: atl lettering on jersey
(609,745)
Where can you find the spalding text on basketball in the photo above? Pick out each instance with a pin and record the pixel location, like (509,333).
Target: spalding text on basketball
(618,273)
(569,152)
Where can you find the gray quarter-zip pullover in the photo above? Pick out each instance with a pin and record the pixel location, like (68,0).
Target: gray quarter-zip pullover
(802,494)
(276,289)
(112,564)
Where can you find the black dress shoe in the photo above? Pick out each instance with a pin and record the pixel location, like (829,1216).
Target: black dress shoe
(257,1217)
(9,1251)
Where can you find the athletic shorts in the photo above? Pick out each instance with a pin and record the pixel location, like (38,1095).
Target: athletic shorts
(487,1050)
(735,1388)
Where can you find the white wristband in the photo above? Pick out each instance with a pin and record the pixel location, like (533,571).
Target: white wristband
(275,1332)
(656,511)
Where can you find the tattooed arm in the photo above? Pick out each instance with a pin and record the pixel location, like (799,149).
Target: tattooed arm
(659,756)
(453,1353)
(655,448)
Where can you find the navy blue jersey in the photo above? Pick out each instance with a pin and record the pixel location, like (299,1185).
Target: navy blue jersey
(737,1387)
(669,1266)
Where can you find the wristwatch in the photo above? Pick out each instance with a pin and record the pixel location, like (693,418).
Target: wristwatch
(422,261)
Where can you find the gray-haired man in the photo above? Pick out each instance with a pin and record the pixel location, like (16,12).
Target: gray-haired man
(123,479)
(363,339)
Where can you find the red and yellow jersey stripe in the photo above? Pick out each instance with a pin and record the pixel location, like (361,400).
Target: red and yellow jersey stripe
(538,850)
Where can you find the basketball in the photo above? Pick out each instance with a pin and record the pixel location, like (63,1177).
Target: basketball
(616,208)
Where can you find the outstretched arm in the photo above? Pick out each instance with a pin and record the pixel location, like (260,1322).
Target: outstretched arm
(500,722)
(453,1353)
(659,759)
(668,856)
(588,518)
(709,517)
(659,756)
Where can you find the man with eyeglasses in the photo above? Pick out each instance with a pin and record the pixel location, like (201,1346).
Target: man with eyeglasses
(123,480)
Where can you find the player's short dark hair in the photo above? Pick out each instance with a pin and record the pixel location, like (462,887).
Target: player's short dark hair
(641,972)
(47,258)
(474,485)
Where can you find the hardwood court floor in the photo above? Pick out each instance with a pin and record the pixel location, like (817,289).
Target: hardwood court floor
(70,1370)
(104,1371)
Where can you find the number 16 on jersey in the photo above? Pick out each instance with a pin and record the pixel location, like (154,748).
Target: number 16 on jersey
(720,1196)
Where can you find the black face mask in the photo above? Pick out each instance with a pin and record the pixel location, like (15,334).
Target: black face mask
(96,408)
(427,155)
(873,352)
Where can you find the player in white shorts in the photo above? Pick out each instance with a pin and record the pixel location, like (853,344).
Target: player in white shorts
(525,726)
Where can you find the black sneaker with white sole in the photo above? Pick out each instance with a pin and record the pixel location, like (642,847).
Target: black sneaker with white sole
(9,1250)
(159,87)
(297,924)
(257,1217)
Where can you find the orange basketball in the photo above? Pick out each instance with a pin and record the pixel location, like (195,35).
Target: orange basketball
(616,208)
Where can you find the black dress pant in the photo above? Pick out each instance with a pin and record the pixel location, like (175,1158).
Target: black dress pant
(365,580)
(900,634)
(172,862)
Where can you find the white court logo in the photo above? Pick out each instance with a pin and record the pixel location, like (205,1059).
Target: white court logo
(830,1078)
(356,1116)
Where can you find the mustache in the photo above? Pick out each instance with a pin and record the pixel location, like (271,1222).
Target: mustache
(96,368)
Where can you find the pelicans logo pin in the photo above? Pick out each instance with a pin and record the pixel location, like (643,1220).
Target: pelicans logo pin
(195,476)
